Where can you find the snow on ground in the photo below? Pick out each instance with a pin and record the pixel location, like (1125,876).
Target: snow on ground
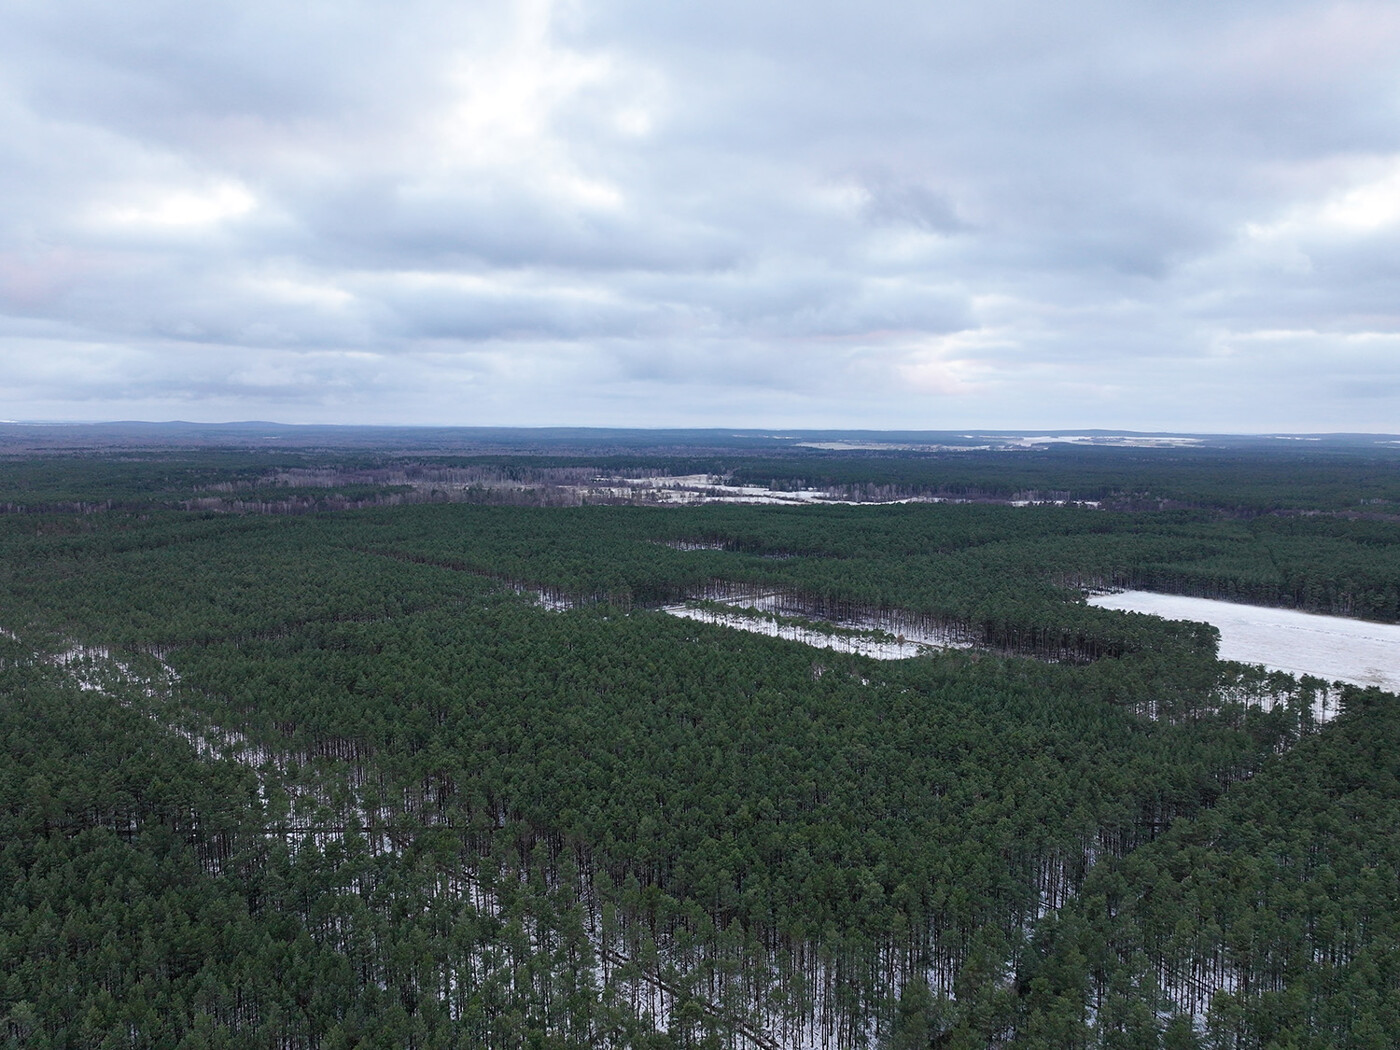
(1333,648)
(547,600)
(874,639)
(696,488)
(865,645)
(692,545)
(1118,440)
(705,488)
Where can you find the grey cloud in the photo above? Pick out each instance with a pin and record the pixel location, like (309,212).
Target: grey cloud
(167,70)
(583,208)
(381,224)
(519,314)
(898,203)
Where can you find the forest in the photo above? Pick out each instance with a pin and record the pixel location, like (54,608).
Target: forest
(345,746)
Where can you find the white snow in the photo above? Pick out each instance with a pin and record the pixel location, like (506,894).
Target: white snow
(547,600)
(705,488)
(1119,440)
(692,545)
(1333,648)
(762,614)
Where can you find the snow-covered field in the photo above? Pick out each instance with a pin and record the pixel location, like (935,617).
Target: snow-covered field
(865,645)
(1332,648)
(703,488)
(764,614)
(1118,440)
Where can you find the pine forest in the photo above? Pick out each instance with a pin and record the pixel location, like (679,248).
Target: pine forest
(409,747)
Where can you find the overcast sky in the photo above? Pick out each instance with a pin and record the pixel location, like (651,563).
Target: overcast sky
(1146,215)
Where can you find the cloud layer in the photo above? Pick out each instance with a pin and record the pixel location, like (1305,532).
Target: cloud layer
(1007,214)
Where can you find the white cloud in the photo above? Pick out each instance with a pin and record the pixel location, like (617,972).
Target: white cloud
(181,208)
(1373,205)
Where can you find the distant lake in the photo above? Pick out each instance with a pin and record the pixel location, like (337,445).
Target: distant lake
(1333,648)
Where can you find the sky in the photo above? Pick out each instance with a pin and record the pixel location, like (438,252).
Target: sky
(1174,216)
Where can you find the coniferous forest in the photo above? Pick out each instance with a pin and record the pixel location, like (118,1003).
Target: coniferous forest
(394,747)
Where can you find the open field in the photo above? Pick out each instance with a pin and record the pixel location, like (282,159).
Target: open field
(1333,648)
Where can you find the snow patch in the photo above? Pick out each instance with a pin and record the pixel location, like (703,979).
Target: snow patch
(763,614)
(1333,648)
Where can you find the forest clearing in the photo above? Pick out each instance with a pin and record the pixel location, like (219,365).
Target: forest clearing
(1333,648)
